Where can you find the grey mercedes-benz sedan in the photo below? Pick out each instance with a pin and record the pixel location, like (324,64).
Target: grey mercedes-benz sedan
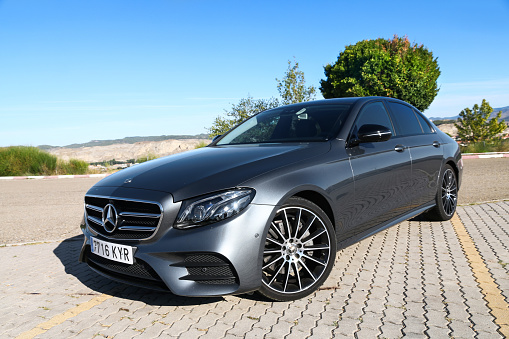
(266,206)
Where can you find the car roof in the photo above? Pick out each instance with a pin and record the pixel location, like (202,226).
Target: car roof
(347,100)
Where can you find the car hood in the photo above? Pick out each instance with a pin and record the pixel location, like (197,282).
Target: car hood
(210,169)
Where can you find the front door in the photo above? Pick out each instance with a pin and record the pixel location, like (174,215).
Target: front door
(382,173)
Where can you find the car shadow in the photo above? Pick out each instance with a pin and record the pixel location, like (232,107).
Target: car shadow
(68,252)
(420,217)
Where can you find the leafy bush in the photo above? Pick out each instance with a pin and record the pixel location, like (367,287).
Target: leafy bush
(392,68)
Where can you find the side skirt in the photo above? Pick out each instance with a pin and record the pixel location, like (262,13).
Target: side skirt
(375,229)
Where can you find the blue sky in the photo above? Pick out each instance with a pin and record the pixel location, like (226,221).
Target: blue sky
(75,71)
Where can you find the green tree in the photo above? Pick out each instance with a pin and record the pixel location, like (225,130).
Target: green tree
(246,108)
(384,67)
(475,125)
(292,88)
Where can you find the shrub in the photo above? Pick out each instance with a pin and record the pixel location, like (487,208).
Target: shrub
(483,147)
(22,160)
(73,166)
(148,157)
(201,144)
(392,68)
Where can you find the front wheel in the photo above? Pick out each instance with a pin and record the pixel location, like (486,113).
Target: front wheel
(299,251)
(447,197)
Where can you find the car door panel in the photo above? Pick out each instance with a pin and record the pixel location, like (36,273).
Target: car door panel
(382,181)
(427,154)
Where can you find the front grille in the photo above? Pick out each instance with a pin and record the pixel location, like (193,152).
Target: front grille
(134,219)
(209,269)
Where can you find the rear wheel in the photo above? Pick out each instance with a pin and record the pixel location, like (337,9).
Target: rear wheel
(299,251)
(447,197)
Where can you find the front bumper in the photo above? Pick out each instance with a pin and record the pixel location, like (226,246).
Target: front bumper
(217,259)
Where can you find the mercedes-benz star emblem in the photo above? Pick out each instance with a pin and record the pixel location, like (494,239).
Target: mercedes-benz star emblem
(110,218)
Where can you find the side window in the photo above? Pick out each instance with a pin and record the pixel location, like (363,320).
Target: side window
(373,113)
(405,119)
(426,127)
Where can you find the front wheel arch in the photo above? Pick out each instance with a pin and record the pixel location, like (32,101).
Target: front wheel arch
(298,251)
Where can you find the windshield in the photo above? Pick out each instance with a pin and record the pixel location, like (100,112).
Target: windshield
(289,124)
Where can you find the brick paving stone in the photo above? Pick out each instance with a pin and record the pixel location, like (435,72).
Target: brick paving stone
(413,277)
(488,335)
(241,327)
(371,321)
(346,327)
(207,321)
(437,332)
(390,330)
(155,330)
(216,331)
(483,322)
(280,330)
(180,326)
(367,333)
(414,325)
(192,333)
(461,329)
(255,333)
(305,324)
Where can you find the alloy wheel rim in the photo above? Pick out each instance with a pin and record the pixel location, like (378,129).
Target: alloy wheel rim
(296,252)
(449,192)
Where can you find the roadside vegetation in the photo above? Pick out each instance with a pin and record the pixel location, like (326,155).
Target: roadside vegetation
(443,122)
(148,157)
(23,160)
(483,147)
(477,126)
(201,144)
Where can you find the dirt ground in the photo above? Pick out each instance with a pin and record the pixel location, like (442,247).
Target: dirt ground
(41,210)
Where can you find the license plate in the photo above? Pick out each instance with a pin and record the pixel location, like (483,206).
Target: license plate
(115,252)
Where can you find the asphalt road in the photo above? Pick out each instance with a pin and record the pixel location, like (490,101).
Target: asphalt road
(44,210)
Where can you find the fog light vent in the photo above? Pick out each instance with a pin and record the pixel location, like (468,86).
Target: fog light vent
(208,269)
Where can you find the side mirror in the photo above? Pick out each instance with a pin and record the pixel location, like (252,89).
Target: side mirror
(217,137)
(371,133)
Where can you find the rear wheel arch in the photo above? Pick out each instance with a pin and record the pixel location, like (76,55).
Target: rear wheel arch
(454,167)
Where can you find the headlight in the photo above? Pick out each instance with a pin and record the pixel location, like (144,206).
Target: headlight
(213,208)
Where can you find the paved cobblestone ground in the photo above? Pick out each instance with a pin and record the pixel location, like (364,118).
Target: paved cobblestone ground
(412,280)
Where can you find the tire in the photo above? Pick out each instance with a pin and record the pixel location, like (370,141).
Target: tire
(299,251)
(446,198)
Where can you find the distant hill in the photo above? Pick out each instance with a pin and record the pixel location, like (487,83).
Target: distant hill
(127,140)
(123,152)
(505,115)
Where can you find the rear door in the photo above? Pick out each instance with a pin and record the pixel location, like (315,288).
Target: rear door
(425,150)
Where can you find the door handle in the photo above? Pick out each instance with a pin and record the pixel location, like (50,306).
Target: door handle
(436,144)
(399,148)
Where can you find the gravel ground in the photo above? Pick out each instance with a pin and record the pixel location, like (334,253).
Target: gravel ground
(43,210)
(484,180)
(39,210)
